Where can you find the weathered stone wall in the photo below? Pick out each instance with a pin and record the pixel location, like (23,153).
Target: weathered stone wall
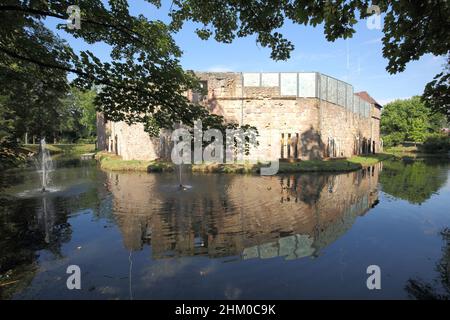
(289,126)
(133,143)
(311,122)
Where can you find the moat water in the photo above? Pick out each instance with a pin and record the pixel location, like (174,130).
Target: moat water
(138,236)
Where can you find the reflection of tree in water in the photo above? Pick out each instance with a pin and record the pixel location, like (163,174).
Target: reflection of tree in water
(30,225)
(421,290)
(27,227)
(415,182)
(7,179)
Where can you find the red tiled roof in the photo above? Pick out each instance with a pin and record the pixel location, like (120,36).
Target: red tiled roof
(365,96)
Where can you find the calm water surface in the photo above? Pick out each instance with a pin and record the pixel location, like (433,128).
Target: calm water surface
(137,236)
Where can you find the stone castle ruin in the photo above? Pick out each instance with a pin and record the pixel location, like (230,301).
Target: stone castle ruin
(299,116)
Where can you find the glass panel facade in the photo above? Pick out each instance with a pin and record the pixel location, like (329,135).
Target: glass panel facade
(332,90)
(288,85)
(251,79)
(341,94)
(307,84)
(270,79)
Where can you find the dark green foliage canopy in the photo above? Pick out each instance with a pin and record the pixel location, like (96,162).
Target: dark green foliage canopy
(409,120)
(78,115)
(144,81)
(436,95)
(30,94)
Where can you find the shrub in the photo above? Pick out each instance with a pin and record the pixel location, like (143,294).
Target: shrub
(393,139)
(90,140)
(436,144)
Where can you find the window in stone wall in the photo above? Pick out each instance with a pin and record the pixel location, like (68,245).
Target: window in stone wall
(116,145)
(331,147)
(289,142)
(204,85)
(198,96)
(289,146)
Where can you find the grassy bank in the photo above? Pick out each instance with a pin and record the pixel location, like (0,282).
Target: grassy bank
(115,163)
(337,165)
(18,157)
(413,152)
(63,149)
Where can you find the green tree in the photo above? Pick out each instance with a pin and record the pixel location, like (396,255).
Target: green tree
(6,123)
(78,115)
(89,117)
(409,120)
(436,95)
(144,82)
(31,95)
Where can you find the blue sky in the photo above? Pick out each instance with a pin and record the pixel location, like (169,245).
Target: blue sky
(358,60)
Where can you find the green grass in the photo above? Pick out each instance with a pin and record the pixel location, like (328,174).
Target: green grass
(115,163)
(66,149)
(401,152)
(333,165)
(319,166)
(370,159)
(20,156)
(226,168)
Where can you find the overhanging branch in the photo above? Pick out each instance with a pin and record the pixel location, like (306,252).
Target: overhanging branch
(26,10)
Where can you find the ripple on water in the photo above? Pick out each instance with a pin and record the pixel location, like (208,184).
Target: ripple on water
(37,193)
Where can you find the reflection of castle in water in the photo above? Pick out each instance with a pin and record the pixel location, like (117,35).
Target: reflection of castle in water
(251,216)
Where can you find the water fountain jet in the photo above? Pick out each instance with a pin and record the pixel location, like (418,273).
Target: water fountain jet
(44,165)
